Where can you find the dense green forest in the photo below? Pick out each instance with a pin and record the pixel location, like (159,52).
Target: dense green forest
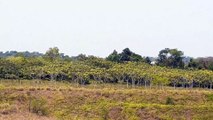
(127,67)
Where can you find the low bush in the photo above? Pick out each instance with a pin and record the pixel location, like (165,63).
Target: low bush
(209,97)
(39,106)
(170,101)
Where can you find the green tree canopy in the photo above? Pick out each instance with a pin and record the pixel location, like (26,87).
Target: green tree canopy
(171,58)
(52,53)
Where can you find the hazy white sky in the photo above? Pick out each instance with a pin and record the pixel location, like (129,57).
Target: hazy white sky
(99,26)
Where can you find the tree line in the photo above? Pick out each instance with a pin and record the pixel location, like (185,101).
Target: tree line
(126,68)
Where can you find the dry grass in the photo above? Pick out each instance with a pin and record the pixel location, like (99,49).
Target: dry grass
(67,101)
(24,116)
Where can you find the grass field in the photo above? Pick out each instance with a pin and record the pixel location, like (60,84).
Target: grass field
(45,100)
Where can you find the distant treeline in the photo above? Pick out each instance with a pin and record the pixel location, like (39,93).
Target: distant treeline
(171,68)
(15,53)
(168,57)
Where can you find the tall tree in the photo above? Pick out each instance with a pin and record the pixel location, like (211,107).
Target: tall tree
(125,56)
(114,57)
(171,58)
(52,53)
(147,60)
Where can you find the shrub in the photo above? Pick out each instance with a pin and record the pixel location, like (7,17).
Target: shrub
(32,89)
(39,106)
(209,97)
(20,89)
(169,101)
(48,89)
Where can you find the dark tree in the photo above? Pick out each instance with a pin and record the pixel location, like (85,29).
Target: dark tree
(147,60)
(171,58)
(114,57)
(125,55)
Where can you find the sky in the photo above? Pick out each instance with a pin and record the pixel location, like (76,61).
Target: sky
(97,27)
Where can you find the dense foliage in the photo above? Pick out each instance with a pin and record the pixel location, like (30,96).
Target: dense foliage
(126,55)
(132,71)
(171,57)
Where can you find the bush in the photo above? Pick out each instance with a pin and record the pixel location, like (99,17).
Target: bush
(170,101)
(48,89)
(209,97)
(32,89)
(39,106)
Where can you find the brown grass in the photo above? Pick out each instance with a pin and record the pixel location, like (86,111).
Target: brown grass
(69,102)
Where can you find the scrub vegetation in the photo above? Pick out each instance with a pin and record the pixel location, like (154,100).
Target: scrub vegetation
(47,100)
(123,86)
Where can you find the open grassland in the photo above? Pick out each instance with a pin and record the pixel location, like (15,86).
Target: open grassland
(45,100)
